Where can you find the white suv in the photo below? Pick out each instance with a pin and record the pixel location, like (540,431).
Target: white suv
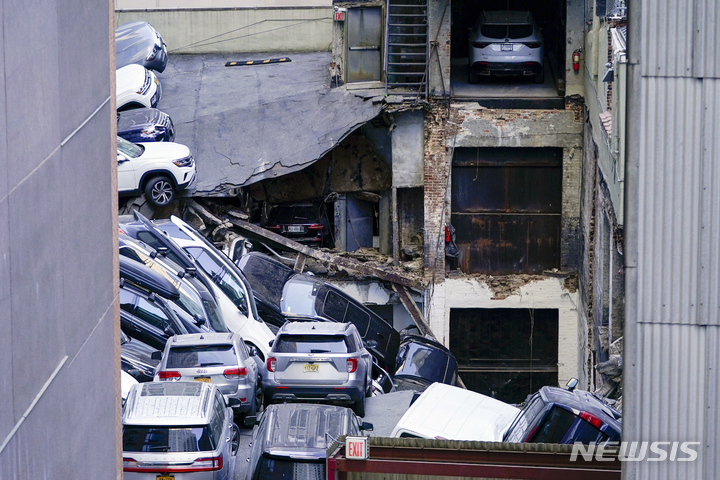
(136,87)
(157,169)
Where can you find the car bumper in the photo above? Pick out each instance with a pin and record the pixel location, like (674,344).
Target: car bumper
(187,184)
(157,95)
(487,68)
(349,392)
(246,392)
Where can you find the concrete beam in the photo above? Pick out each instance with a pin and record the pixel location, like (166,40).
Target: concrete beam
(479,127)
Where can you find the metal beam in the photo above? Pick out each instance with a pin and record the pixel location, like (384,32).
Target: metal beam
(413,310)
(300,263)
(351,266)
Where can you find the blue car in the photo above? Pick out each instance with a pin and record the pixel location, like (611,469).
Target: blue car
(142,125)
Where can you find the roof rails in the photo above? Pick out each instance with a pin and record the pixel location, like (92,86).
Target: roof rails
(147,278)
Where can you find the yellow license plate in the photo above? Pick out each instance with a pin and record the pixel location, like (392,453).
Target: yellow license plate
(201,379)
(165,477)
(312,367)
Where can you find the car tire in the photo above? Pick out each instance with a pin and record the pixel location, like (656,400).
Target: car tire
(259,400)
(540,77)
(359,406)
(160,191)
(473,77)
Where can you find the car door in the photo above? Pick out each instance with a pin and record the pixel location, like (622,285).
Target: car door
(136,327)
(126,174)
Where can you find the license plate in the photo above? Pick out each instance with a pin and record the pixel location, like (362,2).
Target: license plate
(202,379)
(311,368)
(295,228)
(165,477)
(506,47)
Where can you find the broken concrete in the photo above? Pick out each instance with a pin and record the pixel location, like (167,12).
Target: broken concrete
(248,124)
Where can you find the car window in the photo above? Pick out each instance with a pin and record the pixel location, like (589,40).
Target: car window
(299,298)
(422,361)
(167,439)
(311,344)
(220,275)
(352,343)
(127,300)
(130,253)
(201,356)
(151,313)
(554,426)
(267,278)
(129,149)
(277,468)
(506,31)
(218,420)
(519,429)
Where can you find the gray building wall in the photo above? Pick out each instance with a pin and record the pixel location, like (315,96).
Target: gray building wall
(59,413)
(672,257)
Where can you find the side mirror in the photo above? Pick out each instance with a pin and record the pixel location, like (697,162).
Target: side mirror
(367,427)
(371,344)
(156,355)
(170,331)
(162,250)
(250,421)
(252,351)
(192,271)
(199,320)
(571,384)
(233,402)
(270,343)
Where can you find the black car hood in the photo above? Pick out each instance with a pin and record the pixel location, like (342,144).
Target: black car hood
(139,118)
(410,383)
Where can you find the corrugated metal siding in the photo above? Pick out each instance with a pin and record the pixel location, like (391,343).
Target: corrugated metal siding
(667,44)
(709,313)
(706,60)
(672,368)
(669,200)
(712,434)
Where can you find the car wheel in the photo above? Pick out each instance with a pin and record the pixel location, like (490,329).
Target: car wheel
(259,397)
(473,77)
(359,406)
(160,191)
(540,77)
(234,438)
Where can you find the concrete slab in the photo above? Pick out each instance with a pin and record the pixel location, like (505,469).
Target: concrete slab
(247,123)
(499,87)
(385,411)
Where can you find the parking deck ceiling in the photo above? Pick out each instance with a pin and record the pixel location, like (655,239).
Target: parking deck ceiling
(247,123)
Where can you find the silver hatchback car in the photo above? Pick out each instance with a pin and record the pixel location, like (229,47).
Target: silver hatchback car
(319,362)
(178,431)
(222,359)
(506,43)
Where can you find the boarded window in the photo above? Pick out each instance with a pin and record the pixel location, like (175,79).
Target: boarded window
(506,209)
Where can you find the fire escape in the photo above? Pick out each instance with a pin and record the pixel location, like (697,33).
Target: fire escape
(406,38)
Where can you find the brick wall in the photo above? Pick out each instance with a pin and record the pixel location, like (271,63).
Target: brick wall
(437,160)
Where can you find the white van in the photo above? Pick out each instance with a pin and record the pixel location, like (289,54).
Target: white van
(445,412)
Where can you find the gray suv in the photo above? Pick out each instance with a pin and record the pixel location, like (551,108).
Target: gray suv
(319,362)
(221,359)
(291,440)
(180,430)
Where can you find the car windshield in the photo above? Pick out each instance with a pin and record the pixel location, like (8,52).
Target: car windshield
(299,297)
(418,360)
(506,31)
(276,469)
(129,149)
(167,439)
(202,356)
(311,344)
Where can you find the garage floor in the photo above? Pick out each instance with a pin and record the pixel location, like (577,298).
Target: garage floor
(500,87)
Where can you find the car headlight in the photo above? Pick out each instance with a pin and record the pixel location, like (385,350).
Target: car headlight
(185,162)
(149,131)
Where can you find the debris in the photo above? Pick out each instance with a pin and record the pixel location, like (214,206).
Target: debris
(612,367)
(368,196)
(413,251)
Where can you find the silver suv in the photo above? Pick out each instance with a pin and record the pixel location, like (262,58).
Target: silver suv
(180,430)
(319,362)
(221,359)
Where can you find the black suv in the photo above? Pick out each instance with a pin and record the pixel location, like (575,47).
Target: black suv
(421,362)
(556,415)
(306,223)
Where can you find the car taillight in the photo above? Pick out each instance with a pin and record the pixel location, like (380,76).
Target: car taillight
(530,435)
(480,44)
(206,464)
(315,226)
(235,373)
(351,365)
(151,57)
(274,227)
(166,375)
(271,364)
(591,419)
(533,44)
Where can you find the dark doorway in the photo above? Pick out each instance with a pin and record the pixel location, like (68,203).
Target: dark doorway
(505,353)
(506,209)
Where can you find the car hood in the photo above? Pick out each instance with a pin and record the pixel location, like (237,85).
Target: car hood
(126,383)
(129,78)
(139,118)
(164,151)
(133,42)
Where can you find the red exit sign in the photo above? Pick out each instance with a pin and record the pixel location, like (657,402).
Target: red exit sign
(356,448)
(340,16)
